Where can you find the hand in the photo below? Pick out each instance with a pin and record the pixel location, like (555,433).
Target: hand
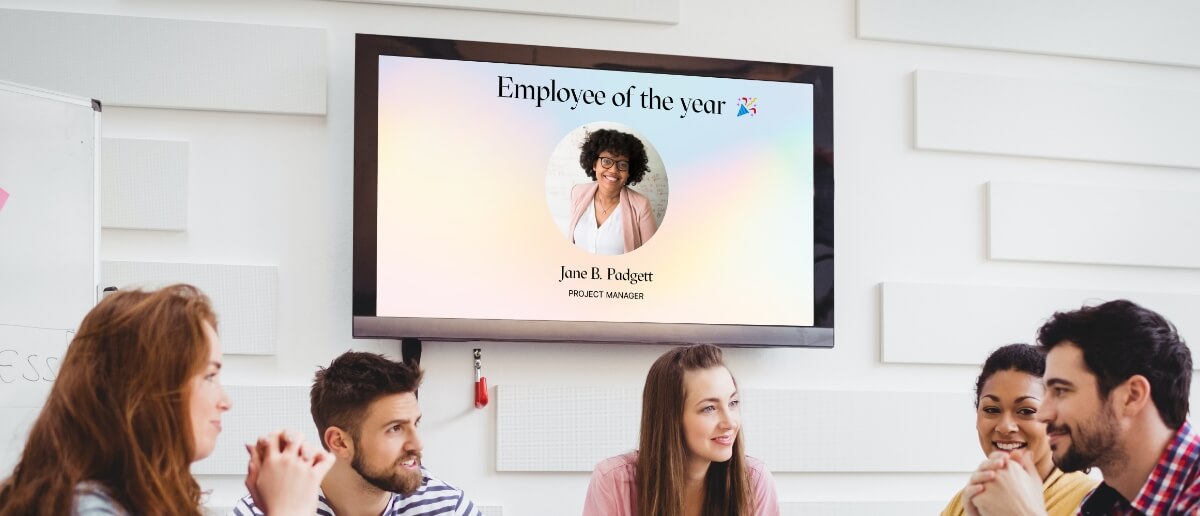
(253,467)
(1014,488)
(986,472)
(287,473)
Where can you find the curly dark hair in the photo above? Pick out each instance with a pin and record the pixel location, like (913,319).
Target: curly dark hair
(1022,358)
(342,392)
(1120,339)
(616,142)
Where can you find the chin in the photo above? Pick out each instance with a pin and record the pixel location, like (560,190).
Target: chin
(203,453)
(721,457)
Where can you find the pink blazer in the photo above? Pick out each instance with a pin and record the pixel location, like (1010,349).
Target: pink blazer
(638,223)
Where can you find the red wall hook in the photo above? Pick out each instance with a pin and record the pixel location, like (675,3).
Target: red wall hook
(481,390)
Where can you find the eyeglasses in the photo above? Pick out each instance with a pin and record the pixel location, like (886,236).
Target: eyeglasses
(607,163)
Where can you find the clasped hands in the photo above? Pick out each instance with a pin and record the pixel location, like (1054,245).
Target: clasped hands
(1006,484)
(284,474)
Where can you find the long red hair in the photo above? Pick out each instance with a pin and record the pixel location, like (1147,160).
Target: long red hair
(663,452)
(118,412)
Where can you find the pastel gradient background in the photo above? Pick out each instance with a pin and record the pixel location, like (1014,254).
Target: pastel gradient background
(465,232)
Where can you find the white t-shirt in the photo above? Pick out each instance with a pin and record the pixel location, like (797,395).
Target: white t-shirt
(606,240)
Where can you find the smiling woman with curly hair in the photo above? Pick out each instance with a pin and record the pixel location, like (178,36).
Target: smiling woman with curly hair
(608,217)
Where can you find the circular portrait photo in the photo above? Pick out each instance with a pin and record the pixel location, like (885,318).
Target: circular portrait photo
(606,188)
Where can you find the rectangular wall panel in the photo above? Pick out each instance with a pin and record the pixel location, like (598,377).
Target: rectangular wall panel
(654,11)
(165,63)
(1048,118)
(1107,225)
(143,184)
(563,428)
(257,411)
(926,323)
(1104,29)
(560,428)
(245,297)
(839,431)
(856,508)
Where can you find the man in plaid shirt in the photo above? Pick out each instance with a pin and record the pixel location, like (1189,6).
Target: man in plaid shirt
(1117,380)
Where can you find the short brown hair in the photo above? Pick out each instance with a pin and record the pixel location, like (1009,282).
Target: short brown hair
(342,392)
(1120,339)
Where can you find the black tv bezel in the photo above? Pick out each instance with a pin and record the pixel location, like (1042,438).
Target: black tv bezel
(367,324)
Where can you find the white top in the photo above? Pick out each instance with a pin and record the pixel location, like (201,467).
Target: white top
(606,240)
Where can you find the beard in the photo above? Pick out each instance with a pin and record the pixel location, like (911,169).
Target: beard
(1092,445)
(394,478)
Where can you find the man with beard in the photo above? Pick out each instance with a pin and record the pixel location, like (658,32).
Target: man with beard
(366,412)
(1117,383)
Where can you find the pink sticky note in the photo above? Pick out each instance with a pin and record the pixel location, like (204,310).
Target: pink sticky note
(3,198)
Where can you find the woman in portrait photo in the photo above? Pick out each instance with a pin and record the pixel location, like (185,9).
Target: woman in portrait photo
(136,401)
(608,217)
(1008,394)
(690,459)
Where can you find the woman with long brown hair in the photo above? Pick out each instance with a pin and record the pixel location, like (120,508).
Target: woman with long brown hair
(690,460)
(136,401)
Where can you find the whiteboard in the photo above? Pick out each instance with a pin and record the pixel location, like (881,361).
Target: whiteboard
(49,245)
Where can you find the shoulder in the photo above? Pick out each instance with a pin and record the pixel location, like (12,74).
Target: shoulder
(435,496)
(757,469)
(623,465)
(1065,493)
(955,507)
(636,198)
(246,507)
(762,487)
(762,483)
(580,190)
(434,484)
(1078,480)
(93,499)
(612,489)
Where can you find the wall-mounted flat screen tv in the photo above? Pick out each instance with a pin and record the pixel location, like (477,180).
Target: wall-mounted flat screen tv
(529,193)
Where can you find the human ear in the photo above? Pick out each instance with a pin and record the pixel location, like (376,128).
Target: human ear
(338,442)
(1136,394)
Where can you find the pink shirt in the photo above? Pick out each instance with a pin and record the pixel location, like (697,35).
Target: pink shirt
(613,488)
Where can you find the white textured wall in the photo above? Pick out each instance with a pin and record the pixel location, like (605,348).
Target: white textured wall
(912,211)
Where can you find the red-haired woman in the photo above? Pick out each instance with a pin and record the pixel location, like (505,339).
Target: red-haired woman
(690,461)
(136,401)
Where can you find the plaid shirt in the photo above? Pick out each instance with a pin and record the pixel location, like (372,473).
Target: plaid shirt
(1172,489)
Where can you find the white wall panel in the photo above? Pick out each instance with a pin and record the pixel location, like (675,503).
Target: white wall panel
(256,411)
(655,11)
(1107,29)
(1093,224)
(961,324)
(143,184)
(839,431)
(486,510)
(245,297)
(856,508)
(151,62)
(561,428)
(1091,121)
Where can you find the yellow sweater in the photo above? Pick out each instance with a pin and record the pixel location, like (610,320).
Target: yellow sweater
(1064,492)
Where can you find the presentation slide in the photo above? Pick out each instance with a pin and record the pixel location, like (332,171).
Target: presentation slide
(486,208)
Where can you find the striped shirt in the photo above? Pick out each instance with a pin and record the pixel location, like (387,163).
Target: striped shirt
(434,497)
(1172,489)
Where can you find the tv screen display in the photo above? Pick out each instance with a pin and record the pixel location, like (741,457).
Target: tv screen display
(531,193)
